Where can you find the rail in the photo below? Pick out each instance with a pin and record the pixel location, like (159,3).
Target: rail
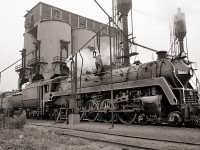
(58,59)
(131,141)
(19,67)
(35,61)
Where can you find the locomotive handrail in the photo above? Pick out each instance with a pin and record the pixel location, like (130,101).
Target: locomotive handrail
(183,88)
(176,76)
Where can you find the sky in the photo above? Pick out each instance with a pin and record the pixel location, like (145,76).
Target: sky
(151,21)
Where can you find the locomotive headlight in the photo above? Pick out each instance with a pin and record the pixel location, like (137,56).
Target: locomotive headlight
(191,93)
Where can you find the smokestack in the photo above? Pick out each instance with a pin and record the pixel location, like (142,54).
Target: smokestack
(124,6)
(180,28)
(161,54)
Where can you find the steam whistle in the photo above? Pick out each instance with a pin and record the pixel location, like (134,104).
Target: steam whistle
(180,30)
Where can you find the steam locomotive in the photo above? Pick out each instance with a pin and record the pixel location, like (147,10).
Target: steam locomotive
(157,92)
(154,92)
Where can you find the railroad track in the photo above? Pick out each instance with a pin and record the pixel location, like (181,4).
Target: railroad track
(124,141)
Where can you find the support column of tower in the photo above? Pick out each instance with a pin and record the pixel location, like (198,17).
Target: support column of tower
(124,6)
(125,41)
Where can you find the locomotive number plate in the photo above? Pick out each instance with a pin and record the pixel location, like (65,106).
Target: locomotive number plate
(182,72)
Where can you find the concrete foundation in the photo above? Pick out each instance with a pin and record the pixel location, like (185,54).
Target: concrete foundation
(74,119)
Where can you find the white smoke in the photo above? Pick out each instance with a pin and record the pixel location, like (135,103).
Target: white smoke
(86,61)
(89,60)
(105,54)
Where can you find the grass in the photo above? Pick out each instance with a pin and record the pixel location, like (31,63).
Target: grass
(12,122)
(15,134)
(34,138)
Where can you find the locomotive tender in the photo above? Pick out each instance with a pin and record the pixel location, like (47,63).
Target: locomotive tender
(153,92)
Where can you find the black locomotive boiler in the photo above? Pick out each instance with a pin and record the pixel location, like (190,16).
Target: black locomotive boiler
(157,92)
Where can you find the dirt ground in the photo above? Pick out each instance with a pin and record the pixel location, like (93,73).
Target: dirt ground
(39,139)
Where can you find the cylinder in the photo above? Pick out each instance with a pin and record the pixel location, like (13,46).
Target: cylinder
(29,39)
(80,37)
(50,33)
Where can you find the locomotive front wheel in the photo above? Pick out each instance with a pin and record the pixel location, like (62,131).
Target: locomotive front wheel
(127,117)
(91,107)
(174,119)
(142,119)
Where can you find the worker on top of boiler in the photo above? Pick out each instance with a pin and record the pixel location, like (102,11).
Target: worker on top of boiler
(98,62)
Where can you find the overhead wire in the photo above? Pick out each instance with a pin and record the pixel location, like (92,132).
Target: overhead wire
(150,15)
(14,63)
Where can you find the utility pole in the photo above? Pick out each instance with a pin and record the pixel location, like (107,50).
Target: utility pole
(111,82)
